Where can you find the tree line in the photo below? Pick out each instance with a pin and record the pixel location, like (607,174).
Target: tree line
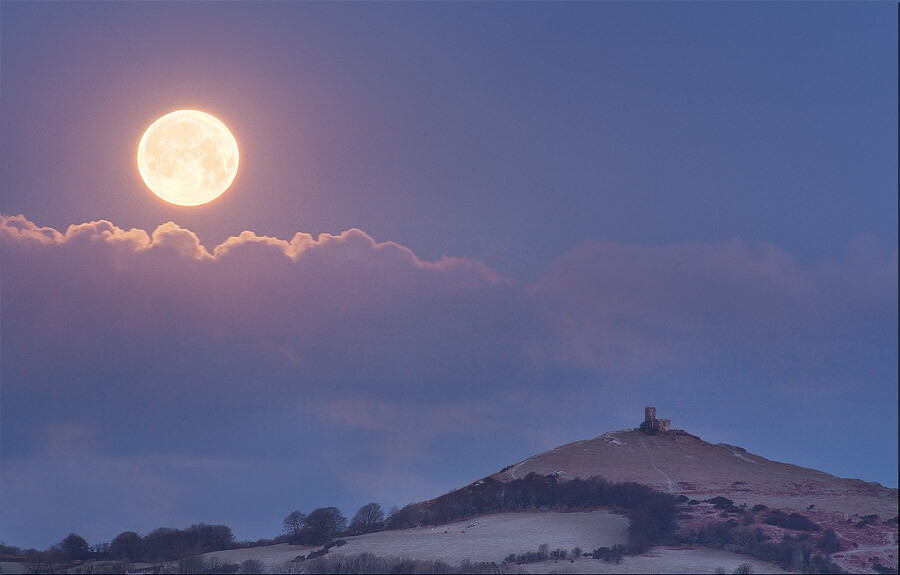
(160,545)
(652,519)
(325,523)
(652,513)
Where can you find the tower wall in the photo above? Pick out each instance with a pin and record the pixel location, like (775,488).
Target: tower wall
(651,425)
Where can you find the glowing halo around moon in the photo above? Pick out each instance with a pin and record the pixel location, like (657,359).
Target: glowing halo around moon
(188,158)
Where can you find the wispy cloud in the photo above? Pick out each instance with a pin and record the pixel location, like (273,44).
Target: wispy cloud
(617,306)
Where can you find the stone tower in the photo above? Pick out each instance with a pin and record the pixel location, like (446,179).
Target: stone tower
(651,425)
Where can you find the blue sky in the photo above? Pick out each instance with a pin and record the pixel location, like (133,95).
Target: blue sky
(539,218)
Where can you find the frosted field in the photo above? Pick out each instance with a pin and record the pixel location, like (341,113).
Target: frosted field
(485,538)
(493,537)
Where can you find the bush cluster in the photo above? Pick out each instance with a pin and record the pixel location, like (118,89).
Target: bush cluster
(879,568)
(530,492)
(725,504)
(794,552)
(370,563)
(794,521)
(866,520)
(613,554)
(542,554)
(652,513)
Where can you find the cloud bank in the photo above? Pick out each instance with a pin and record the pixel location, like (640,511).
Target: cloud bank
(339,369)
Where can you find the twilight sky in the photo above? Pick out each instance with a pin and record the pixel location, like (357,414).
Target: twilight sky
(461,234)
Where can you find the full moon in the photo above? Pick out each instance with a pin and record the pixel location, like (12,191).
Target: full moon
(188,158)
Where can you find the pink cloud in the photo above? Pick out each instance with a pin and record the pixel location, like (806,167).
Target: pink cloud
(329,310)
(344,308)
(356,244)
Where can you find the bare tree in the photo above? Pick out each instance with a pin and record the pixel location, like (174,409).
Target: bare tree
(294,522)
(323,524)
(367,519)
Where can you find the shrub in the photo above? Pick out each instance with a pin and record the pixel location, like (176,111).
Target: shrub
(191,565)
(610,555)
(251,566)
(720,502)
(877,566)
(823,565)
(10,550)
(369,563)
(794,521)
(216,566)
(829,542)
(652,521)
(755,543)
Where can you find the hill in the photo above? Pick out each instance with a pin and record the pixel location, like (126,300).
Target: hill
(738,502)
(862,514)
(683,464)
(724,506)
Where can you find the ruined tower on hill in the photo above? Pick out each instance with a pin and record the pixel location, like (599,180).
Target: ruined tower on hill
(651,425)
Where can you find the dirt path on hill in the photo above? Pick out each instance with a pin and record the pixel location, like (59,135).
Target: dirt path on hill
(669,484)
(843,558)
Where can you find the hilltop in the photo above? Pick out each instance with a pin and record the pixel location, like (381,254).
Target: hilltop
(724,483)
(679,463)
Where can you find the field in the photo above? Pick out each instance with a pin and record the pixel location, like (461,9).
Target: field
(484,538)
(493,537)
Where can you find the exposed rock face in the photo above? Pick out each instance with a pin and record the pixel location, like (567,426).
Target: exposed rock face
(680,463)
